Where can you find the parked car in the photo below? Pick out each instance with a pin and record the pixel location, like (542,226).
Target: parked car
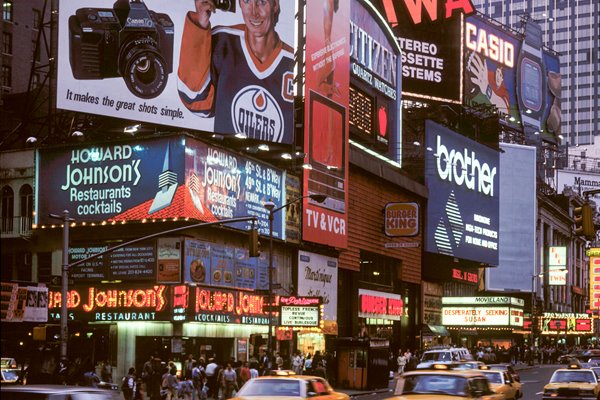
(9,370)
(445,355)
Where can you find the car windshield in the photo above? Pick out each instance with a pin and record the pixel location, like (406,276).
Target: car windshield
(432,383)
(270,387)
(573,376)
(493,377)
(437,356)
(10,375)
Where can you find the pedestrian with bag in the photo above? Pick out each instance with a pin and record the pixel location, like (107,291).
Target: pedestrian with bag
(128,384)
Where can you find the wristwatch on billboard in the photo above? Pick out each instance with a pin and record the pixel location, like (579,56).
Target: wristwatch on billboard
(531,77)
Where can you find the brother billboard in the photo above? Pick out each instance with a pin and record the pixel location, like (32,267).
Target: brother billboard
(463,210)
(154,62)
(168,177)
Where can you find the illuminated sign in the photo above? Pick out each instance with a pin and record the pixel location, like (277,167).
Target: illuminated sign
(434,10)
(114,303)
(566,323)
(181,302)
(157,179)
(401,219)
(229,306)
(463,216)
(595,280)
(557,256)
(383,305)
(477,316)
(557,277)
(465,276)
(300,311)
(484,300)
(24,303)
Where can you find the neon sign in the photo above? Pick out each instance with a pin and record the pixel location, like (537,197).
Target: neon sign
(239,303)
(114,298)
(380,305)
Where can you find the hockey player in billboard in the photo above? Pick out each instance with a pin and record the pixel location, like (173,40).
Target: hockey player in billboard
(241,75)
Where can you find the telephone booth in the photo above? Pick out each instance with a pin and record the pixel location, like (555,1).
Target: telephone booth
(363,363)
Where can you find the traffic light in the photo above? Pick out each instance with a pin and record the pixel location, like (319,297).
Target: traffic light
(584,223)
(254,245)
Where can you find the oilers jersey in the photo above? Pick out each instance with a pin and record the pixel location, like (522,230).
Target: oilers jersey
(219,77)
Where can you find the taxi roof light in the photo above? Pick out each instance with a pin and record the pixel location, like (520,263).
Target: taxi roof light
(574,366)
(282,372)
(484,367)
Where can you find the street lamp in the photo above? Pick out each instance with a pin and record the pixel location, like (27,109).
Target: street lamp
(270,206)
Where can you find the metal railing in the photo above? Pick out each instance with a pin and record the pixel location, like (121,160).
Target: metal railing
(16,226)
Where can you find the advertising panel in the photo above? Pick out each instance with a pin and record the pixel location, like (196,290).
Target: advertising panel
(551,119)
(24,303)
(300,311)
(485,300)
(595,279)
(557,277)
(172,177)
(168,255)
(566,323)
(463,216)
(326,122)
(318,276)
(134,262)
(220,265)
(490,62)
(557,257)
(429,36)
(225,306)
(381,305)
(176,63)
(578,181)
(518,216)
(401,219)
(432,303)
(376,81)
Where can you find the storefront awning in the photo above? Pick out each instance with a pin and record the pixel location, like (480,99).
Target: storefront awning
(438,330)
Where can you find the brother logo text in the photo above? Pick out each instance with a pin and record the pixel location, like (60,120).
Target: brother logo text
(464,169)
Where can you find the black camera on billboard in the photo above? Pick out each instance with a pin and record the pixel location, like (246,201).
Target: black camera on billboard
(225,5)
(128,41)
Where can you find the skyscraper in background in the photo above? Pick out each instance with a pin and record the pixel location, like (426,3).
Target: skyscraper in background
(571,28)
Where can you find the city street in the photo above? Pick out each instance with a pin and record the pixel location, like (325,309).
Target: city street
(532,378)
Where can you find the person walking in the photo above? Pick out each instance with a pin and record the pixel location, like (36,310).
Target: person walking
(401,361)
(211,378)
(128,385)
(169,386)
(185,389)
(229,382)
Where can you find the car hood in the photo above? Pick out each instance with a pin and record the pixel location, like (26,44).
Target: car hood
(332,396)
(570,385)
(430,396)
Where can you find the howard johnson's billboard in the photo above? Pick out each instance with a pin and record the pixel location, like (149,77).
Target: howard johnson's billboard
(463,210)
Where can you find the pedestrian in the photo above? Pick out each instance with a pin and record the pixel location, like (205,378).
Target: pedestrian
(278,361)
(128,385)
(169,386)
(90,378)
(401,361)
(198,377)
(253,371)
(229,382)
(297,363)
(185,389)
(308,364)
(188,366)
(211,377)
(106,371)
(244,374)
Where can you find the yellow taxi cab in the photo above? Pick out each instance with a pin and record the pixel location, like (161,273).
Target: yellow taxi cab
(502,383)
(444,382)
(571,383)
(283,384)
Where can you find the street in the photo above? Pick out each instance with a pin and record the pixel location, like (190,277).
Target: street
(533,380)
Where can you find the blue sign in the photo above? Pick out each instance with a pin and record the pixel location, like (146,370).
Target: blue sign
(463,207)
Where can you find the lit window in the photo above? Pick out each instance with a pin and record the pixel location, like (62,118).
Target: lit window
(6,76)
(7,10)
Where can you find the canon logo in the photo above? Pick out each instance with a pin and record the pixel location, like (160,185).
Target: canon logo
(463,168)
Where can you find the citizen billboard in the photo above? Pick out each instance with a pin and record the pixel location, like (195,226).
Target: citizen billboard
(463,212)
(180,63)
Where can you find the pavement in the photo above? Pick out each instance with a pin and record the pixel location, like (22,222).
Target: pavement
(392,384)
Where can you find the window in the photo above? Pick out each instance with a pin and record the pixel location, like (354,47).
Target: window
(8,209)
(35,81)
(37,16)
(6,43)
(6,76)
(35,50)
(7,10)
(377,269)
(26,207)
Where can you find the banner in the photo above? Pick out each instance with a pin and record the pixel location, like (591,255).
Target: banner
(175,63)
(326,122)
(318,276)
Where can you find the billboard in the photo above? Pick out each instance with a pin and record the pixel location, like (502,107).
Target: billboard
(490,62)
(594,255)
(551,118)
(300,312)
(221,265)
(155,179)
(566,323)
(382,305)
(463,216)
(578,181)
(176,63)
(24,303)
(401,219)
(318,276)
(482,311)
(517,253)
(428,35)
(376,82)
(326,122)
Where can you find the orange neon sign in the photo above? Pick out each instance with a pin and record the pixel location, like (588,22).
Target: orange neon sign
(154,297)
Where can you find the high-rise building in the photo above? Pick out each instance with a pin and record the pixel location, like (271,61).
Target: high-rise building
(571,28)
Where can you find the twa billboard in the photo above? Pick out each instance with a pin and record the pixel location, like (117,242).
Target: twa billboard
(326,121)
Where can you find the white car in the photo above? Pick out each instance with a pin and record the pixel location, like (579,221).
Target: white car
(445,355)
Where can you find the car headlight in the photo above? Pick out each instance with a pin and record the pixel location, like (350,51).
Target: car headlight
(551,392)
